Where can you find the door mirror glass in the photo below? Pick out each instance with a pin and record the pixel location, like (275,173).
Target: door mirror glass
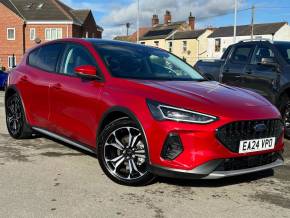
(86,71)
(271,62)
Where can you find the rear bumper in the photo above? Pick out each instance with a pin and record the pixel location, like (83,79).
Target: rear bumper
(208,170)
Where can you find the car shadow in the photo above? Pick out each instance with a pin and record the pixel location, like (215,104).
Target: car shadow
(82,151)
(247,178)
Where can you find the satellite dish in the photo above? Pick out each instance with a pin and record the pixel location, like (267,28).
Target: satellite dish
(37,40)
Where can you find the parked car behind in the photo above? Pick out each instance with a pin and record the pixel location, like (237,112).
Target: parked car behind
(260,66)
(3,79)
(142,110)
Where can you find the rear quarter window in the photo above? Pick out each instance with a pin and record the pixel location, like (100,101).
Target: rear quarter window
(46,57)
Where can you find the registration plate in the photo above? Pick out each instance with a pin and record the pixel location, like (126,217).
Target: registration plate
(255,145)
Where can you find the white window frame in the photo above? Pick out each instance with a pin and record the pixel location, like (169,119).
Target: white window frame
(170,46)
(184,46)
(48,37)
(11,57)
(32,38)
(12,28)
(156,43)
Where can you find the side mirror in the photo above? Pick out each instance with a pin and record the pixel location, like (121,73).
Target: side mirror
(271,62)
(86,71)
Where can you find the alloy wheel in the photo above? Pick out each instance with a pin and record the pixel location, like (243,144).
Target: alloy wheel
(124,153)
(14,116)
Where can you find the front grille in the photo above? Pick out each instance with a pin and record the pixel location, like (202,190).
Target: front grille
(231,134)
(248,162)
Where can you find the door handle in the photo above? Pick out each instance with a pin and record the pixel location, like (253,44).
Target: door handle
(226,70)
(24,79)
(57,86)
(237,76)
(249,71)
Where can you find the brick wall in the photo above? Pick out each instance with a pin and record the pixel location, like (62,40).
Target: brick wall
(22,42)
(90,27)
(40,32)
(7,47)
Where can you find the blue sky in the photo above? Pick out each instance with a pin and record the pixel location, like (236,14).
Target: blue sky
(111,15)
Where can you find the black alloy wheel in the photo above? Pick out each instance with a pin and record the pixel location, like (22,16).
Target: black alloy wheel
(15,118)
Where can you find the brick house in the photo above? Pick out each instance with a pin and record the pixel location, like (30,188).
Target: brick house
(24,23)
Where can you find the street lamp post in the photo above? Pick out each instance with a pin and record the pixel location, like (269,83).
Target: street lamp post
(235,21)
(138,20)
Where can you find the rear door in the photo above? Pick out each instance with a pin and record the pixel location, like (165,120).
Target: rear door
(234,67)
(75,101)
(39,72)
(260,78)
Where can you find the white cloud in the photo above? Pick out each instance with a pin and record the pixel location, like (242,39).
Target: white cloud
(118,14)
(179,8)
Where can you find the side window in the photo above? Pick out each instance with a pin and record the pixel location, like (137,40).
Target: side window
(226,53)
(260,53)
(242,54)
(76,56)
(46,57)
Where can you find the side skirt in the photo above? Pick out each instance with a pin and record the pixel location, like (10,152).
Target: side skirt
(63,139)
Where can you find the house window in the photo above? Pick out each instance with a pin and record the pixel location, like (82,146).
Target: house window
(53,33)
(170,46)
(184,46)
(217,45)
(32,34)
(156,43)
(11,61)
(10,33)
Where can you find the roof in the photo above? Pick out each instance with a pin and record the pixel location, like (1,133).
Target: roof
(192,34)
(245,30)
(133,37)
(162,31)
(46,10)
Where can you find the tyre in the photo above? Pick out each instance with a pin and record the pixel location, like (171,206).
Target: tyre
(123,155)
(285,112)
(16,123)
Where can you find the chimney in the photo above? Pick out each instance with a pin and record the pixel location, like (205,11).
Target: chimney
(167,17)
(155,20)
(191,21)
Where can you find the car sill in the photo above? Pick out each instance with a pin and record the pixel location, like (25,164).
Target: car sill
(68,141)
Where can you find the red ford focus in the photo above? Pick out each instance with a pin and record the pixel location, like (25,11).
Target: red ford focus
(143,111)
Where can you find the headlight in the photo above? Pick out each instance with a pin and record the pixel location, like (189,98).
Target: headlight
(164,112)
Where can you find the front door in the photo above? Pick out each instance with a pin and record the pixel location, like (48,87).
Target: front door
(75,100)
(260,78)
(234,68)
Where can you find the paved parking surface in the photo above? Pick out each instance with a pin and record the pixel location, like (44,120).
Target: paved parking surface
(43,178)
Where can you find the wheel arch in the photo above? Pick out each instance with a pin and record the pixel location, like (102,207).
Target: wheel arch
(118,112)
(11,90)
(285,90)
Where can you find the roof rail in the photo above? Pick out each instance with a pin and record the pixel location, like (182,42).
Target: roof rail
(258,39)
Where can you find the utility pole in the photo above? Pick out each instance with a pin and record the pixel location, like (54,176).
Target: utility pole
(235,21)
(138,20)
(252,22)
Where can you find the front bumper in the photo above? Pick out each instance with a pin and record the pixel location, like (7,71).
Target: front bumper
(211,170)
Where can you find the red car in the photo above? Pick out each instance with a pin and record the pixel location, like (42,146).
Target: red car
(142,110)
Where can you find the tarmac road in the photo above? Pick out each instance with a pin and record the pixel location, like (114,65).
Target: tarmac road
(44,178)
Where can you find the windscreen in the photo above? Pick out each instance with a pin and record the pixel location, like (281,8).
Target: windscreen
(146,63)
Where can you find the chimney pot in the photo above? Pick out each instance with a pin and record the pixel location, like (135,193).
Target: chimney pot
(167,17)
(155,20)
(191,21)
